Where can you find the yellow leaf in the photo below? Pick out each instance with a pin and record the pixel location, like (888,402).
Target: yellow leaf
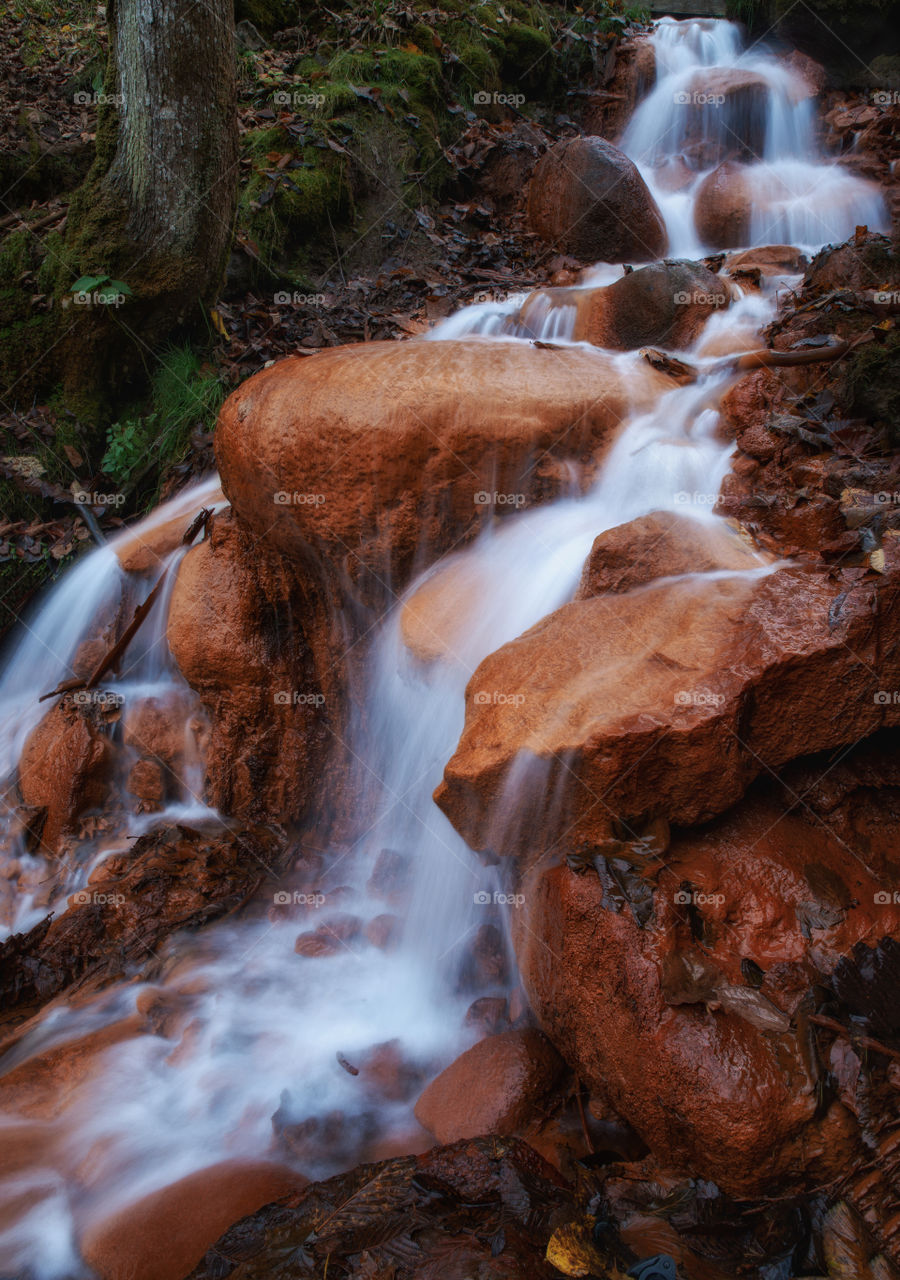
(876,560)
(572,1251)
(218,323)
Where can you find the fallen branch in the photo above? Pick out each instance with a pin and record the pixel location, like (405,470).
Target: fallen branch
(767,359)
(864,1042)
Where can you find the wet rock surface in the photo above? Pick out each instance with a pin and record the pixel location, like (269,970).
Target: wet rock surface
(587,198)
(665,304)
(370,455)
(172,878)
(484,1207)
(494,1087)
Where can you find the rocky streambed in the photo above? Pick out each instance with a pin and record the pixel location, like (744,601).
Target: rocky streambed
(464,837)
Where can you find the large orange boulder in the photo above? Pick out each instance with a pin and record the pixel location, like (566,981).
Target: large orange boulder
(164,1235)
(491,1088)
(667,699)
(682,998)
(367,457)
(587,198)
(665,304)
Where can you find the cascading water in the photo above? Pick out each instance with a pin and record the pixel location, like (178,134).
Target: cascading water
(260,1029)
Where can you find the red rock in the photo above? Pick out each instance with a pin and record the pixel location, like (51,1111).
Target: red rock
(391,877)
(710,1070)
(384,932)
(249,638)
(146,782)
(737,99)
(588,198)
(810,77)
(770,260)
(386,1073)
(488,1014)
(634,74)
(665,304)
(493,1087)
(156,728)
(660,545)
(164,1235)
(722,207)
(65,767)
(486,963)
(677,726)
(361,456)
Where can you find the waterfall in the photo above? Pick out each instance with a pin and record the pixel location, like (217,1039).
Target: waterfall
(267,1027)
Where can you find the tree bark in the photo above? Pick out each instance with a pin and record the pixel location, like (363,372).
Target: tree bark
(157,209)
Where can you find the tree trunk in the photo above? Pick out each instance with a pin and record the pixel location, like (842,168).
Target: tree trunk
(157,209)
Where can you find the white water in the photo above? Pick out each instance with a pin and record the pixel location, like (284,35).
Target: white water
(260,1027)
(682,131)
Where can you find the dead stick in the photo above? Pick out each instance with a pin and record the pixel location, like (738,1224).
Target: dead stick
(583,1117)
(864,1042)
(767,359)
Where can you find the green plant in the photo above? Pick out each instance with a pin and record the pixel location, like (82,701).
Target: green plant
(184,394)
